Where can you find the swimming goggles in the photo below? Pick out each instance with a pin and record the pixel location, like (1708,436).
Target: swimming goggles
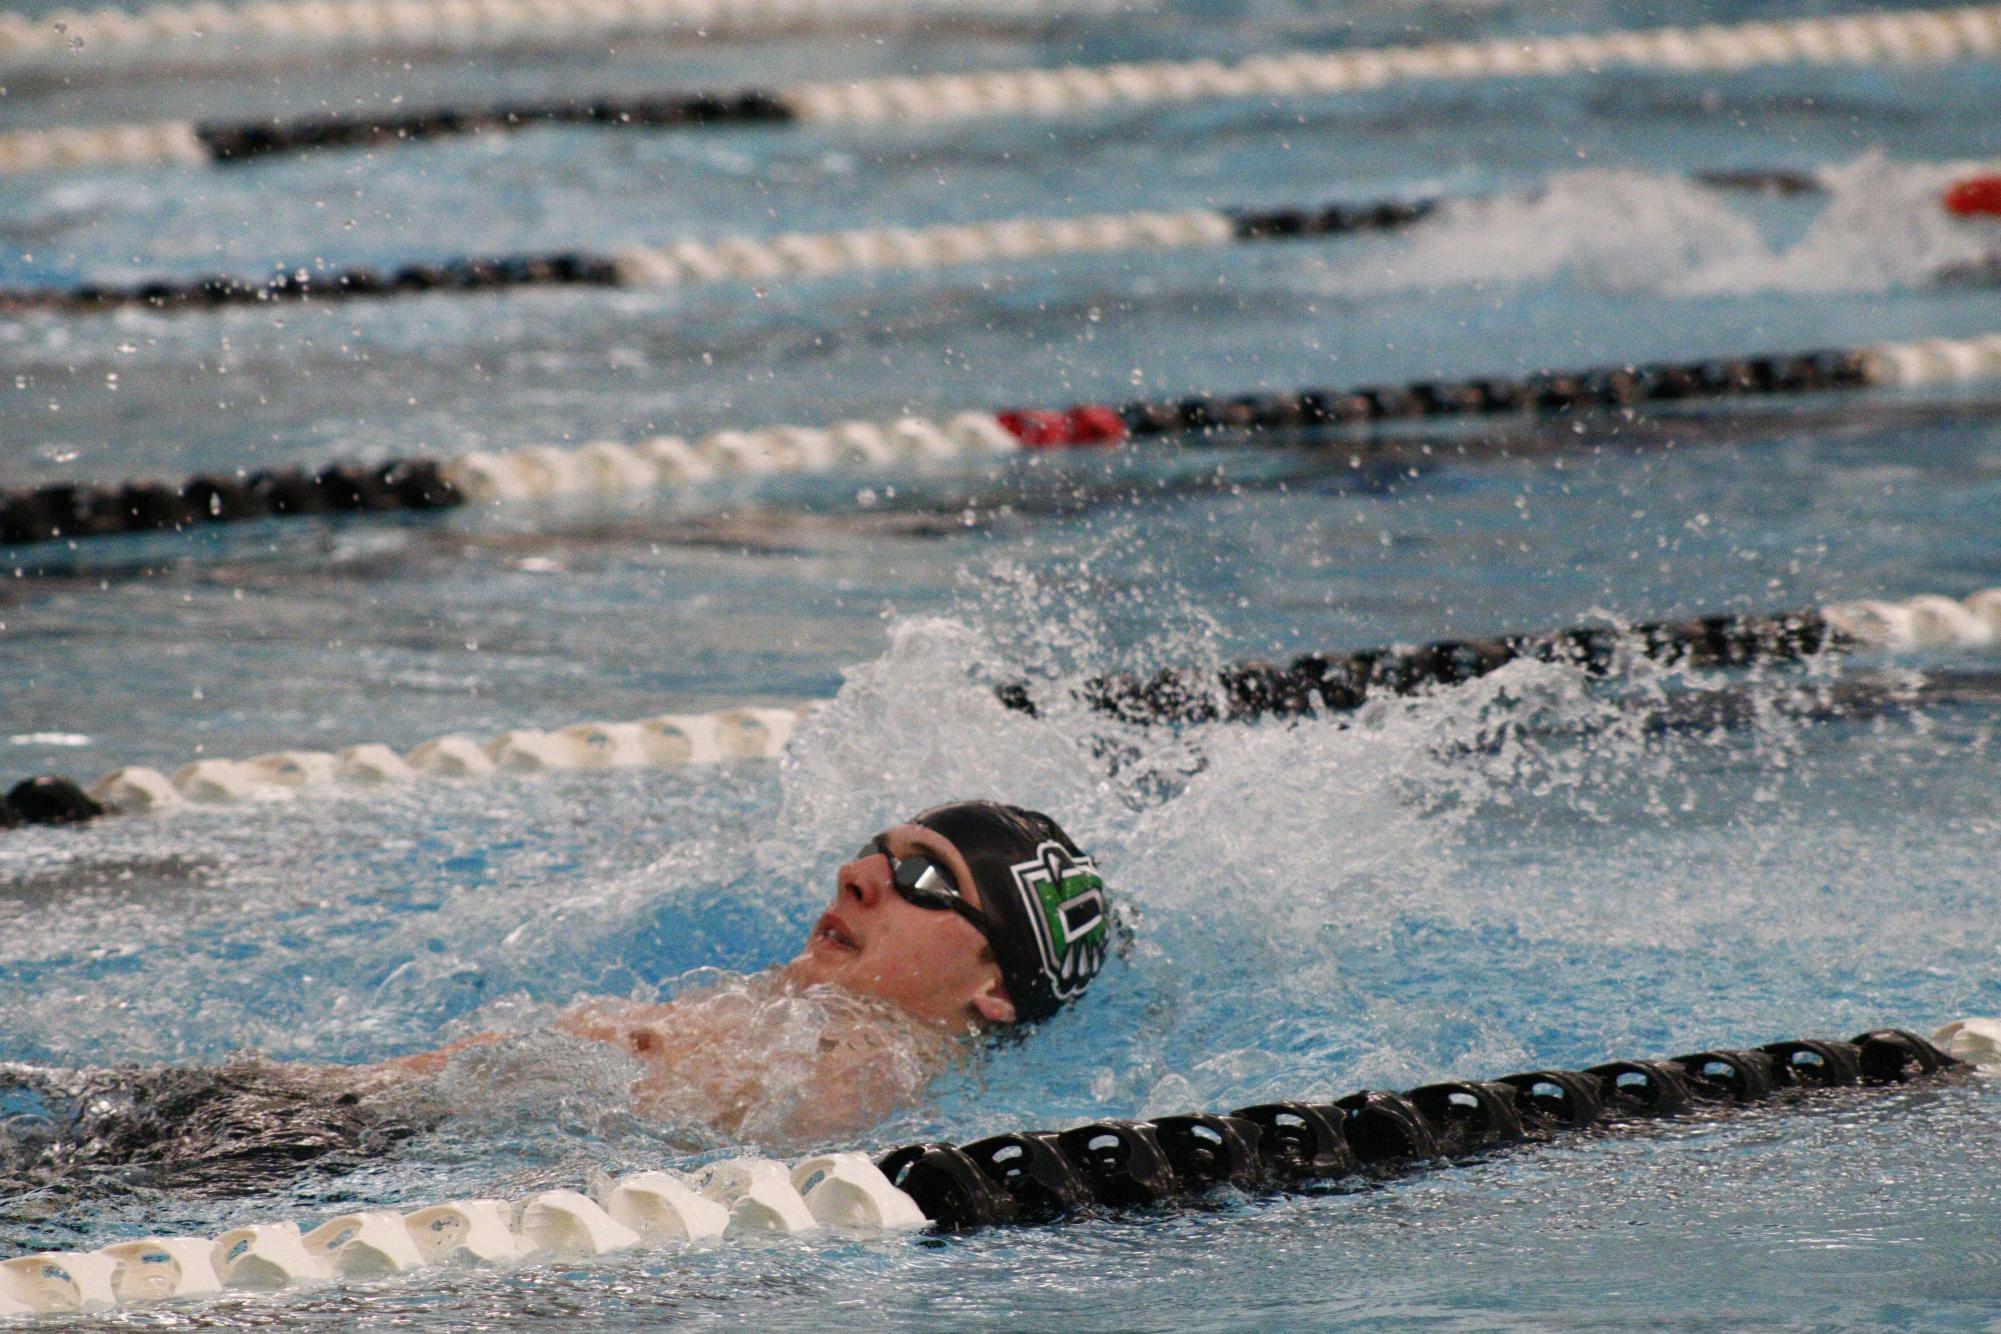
(925,884)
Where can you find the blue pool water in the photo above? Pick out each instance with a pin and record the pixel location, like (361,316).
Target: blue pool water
(1519,873)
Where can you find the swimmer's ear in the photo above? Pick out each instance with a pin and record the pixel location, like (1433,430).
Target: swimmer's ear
(994,1007)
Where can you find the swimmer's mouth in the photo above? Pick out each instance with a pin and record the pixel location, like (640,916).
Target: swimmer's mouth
(828,931)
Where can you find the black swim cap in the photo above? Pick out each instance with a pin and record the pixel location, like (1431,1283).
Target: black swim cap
(1044,897)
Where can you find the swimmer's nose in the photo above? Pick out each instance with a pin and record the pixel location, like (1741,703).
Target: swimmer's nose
(865,881)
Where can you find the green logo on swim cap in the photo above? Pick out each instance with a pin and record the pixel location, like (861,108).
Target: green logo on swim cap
(1067,901)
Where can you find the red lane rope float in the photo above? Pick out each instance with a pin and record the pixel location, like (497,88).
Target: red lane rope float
(1089,424)
(1876,38)
(609,470)
(1974,197)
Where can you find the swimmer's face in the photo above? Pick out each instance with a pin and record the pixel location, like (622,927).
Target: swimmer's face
(874,942)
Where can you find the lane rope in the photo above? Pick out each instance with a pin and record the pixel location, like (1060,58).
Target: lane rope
(1921,36)
(1025,1178)
(73,40)
(610,471)
(1242,691)
(660,742)
(793,255)
(1337,683)
(748,258)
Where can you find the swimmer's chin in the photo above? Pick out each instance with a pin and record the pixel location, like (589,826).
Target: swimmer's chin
(821,972)
(815,970)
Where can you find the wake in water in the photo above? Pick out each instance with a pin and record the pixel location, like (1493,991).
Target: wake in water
(1880,227)
(224,1130)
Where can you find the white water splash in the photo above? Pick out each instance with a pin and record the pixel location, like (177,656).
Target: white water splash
(1881,227)
(1624,231)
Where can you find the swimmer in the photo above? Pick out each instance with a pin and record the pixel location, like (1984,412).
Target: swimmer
(972,919)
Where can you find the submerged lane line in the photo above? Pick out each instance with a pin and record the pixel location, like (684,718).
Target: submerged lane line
(1310,685)
(1921,36)
(609,471)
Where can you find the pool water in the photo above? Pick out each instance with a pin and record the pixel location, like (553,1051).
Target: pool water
(1527,871)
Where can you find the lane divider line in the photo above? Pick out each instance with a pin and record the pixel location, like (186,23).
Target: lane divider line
(211,34)
(611,471)
(794,255)
(664,741)
(728,1201)
(744,258)
(1918,36)
(1311,684)
(1037,1177)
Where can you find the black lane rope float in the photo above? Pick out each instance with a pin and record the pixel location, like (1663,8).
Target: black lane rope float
(1038,1177)
(1316,683)
(611,470)
(66,510)
(805,255)
(1112,1168)
(1238,692)
(1917,36)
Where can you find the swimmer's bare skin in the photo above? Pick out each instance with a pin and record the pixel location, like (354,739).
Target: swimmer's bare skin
(874,943)
(932,966)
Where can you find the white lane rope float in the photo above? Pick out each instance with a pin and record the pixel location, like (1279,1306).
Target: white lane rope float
(1024,1178)
(764,259)
(730,1200)
(1919,36)
(71,41)
(612,471)
(1312,684)
(665,741)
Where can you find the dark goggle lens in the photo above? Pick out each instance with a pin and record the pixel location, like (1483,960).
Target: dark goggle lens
(919,880)
(925,883)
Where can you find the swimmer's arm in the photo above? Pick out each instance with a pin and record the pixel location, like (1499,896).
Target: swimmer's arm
(640,1030)
(430,1062)
(600,1021)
